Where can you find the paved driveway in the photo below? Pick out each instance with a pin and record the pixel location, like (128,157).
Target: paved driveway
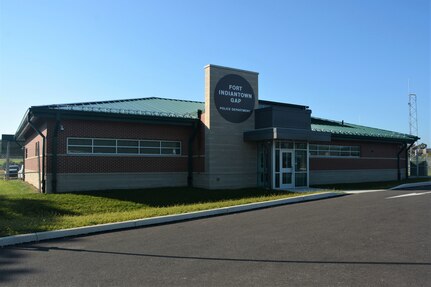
(356,240)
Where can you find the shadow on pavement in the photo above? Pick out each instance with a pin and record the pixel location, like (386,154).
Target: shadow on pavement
(46,249)
(9,258)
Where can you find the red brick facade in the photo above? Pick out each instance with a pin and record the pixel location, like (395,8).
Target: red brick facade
(67,163)
(374,155)
(33,159)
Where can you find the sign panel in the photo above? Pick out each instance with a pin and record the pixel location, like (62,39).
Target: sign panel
(234,98)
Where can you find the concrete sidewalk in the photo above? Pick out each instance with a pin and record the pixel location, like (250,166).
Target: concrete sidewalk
(402,186)
(409,185)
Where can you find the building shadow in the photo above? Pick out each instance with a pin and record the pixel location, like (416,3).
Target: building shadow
(223,259)
(165,197)
(22,215)
(10,267)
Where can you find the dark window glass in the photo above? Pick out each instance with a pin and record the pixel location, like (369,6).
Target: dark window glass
(300,179)
(80,142)
(301,160)
(286,145)
(345,148)
(300,146)
(99,142)
(79,149)
(150,144)
(323,147)
(277,160)
(335,148)
(170,151)
(104,150)
(128,143)
(287,178)
(277,180)
(171,144)
(150,150)
(127,150)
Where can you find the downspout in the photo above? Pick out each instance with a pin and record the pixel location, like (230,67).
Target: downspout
(407,160)
(54,154)
(398,161)
(196,127)
(43,151)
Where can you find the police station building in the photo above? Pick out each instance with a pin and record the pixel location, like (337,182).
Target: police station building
(232,140)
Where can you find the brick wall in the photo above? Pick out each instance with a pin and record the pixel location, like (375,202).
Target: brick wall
(124,163)
(33,162)
(374,155)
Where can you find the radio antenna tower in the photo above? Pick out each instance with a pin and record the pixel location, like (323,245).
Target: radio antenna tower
(413,114)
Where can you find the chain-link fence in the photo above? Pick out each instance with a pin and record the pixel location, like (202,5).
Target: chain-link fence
(11,160)
(420,165)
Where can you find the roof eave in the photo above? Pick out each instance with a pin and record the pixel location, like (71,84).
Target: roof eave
(89,115)
(374,138)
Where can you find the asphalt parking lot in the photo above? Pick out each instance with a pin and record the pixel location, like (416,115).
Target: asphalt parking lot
(371,239)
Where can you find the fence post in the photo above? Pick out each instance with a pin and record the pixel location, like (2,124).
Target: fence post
(7,159)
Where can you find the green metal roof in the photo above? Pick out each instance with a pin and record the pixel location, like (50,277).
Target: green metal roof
(171,108)
(145,106)
(352,130)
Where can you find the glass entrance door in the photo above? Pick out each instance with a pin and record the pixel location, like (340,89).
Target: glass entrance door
(286,169)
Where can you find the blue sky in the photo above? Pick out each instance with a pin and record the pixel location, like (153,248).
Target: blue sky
(347,59)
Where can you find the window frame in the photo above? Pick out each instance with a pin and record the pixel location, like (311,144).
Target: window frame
(327,150)
(139,147)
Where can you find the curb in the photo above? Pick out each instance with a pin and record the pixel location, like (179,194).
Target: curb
(362,191)
(46,235)
(408,185)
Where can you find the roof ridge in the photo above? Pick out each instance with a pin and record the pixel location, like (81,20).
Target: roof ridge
(115,101)
(389,131)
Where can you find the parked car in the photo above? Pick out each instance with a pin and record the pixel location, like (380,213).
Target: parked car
(13,171)
(21,172)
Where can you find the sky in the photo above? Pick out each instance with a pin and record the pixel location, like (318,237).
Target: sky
(347,60)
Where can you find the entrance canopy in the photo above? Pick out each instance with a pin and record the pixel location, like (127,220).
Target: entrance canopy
(286,134)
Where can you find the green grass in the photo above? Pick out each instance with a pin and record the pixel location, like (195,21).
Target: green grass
(12,161)
(22,210)
(370,185)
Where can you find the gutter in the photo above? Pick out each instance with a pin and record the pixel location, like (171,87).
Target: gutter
(54,154)
(43,190)
(398,161)
(196,128)
(407,159)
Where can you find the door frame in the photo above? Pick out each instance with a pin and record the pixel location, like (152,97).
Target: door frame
(290,170)
(280,186)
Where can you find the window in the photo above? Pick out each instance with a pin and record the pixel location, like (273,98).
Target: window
(334,151)
(26,152)
(122,146)
(36,149)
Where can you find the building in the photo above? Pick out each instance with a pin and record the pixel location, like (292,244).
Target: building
(15,150)
(232,140)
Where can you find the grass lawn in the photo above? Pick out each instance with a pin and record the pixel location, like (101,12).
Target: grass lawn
(12,161)
(370,185)
(23,210)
